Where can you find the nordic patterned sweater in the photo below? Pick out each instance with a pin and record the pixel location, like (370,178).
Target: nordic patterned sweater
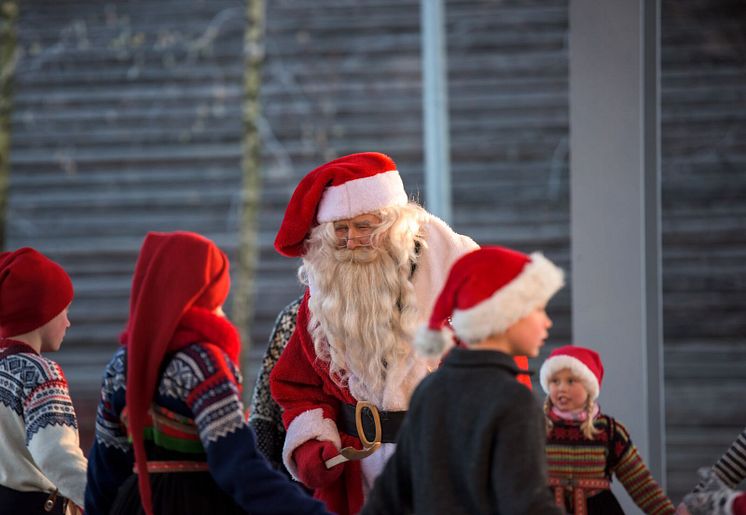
(197,415)
(39,445)
(611,452)
(265,415)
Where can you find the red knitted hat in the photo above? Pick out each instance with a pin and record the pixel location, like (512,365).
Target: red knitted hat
(33,290)
(344,188)
(487,291)
(584,363)
(174,272)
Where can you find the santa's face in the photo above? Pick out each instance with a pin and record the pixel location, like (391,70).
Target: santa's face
(355,233)
(361,299)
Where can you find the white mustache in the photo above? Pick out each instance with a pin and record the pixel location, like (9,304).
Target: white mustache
(361,255)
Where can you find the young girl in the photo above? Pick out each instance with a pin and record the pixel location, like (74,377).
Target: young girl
(171,436)
(584,446)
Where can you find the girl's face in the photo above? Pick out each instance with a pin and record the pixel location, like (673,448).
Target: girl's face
(528,334)
(567,392)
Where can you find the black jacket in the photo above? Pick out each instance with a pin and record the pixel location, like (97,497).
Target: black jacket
(472,443)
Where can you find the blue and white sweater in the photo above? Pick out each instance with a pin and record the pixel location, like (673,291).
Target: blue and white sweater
(199,387)
(39,447)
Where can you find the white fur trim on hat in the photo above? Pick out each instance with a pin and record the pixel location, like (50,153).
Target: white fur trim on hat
(554,364)
(309,425)
(432,344)
(360,196)
(533,287)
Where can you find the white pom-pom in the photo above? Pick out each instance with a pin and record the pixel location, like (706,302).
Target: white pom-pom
(432,344)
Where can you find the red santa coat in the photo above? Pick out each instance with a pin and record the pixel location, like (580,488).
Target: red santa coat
(311,400)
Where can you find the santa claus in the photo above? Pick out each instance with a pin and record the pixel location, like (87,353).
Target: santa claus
(373,263)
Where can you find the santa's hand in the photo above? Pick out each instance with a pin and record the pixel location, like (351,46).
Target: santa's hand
(309,459)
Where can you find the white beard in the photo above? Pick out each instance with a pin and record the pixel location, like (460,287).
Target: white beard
(363,315)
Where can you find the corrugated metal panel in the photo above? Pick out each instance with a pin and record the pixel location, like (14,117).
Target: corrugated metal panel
(704,231)
(110,141)
(126,119)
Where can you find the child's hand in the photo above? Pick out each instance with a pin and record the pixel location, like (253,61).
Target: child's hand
(310,460)
(681,509)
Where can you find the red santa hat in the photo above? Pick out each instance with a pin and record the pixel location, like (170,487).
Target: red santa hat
(344,188)
(33,290)
(487,291)
(583,363)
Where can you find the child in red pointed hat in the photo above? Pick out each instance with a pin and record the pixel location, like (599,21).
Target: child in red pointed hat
(473,440)
(171,436)
(41,465)
(586,447)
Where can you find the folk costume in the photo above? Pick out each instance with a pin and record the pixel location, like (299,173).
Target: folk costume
(171,435)
(581,468)
(316,406)
(473,440)
(41,464)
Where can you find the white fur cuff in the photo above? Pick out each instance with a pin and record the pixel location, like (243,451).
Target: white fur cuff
(309,425)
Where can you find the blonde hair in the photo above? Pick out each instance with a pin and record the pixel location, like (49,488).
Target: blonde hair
(355,324)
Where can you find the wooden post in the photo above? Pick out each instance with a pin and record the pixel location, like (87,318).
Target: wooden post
(8,15)
(243,292)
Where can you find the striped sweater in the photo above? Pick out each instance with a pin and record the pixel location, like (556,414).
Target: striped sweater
(570,455)
(731,467)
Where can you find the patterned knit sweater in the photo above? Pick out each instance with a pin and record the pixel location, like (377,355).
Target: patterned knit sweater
(39,445)
(611,452)
(196,415)
(265,414)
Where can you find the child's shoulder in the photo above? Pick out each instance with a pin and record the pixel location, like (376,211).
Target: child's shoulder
(201,360)
(31,368)
(117,365)
(610,424)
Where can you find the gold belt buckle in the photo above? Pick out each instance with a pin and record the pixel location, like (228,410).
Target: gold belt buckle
(49,503)
(369,447)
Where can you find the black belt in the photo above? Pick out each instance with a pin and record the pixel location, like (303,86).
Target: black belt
(391,421)
(31,503)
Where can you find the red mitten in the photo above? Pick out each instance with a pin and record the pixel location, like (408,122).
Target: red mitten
(309,459)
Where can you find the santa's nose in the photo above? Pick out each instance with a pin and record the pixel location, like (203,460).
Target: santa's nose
(356,239)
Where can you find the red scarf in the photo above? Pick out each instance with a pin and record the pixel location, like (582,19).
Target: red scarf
(199,325)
